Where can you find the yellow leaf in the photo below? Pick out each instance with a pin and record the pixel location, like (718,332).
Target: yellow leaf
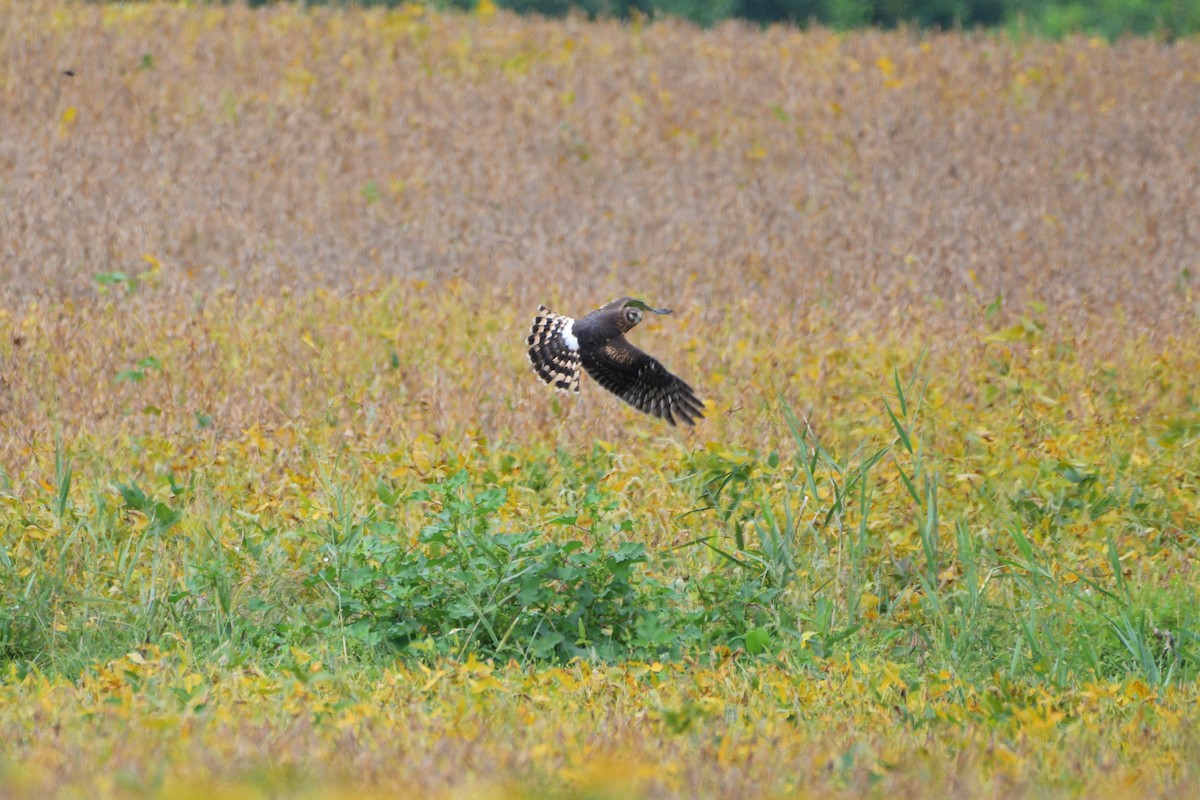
(166,723)
(65,122)
(1013,333)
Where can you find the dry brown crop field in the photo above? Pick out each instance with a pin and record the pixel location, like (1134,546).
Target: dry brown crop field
(284,511)
(884,174)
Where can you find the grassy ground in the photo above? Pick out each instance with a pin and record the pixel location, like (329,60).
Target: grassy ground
(284,511)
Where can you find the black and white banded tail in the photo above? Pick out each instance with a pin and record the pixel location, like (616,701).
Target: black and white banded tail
(554,350)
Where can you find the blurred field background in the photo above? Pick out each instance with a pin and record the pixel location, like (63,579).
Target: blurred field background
(284,510)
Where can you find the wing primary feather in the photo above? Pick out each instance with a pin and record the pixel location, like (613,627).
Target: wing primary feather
(643,382)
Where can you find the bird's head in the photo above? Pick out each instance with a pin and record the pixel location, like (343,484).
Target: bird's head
(630,312)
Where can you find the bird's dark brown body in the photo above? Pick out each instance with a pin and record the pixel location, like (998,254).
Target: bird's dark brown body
(559,345)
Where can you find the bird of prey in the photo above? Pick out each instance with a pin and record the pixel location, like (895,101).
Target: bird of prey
(559,345)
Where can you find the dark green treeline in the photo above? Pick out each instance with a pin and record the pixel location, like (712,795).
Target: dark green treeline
(1111,18)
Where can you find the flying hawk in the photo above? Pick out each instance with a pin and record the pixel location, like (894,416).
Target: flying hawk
(559,345)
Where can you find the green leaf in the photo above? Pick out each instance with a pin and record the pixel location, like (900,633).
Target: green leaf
(758,641)
(904,440)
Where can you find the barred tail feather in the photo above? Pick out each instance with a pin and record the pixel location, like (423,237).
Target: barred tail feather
(550,351)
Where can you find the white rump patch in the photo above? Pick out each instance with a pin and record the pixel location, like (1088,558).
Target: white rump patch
(569,337)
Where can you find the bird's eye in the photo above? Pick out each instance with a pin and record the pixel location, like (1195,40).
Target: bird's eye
(633,315)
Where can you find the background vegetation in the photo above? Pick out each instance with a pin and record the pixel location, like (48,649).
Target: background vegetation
(284,511)
(1055,18)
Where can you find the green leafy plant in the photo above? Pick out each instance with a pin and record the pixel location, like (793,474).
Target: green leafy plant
(461,586)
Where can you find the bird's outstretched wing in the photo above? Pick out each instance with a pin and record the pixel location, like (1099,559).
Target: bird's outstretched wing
(642,382)
(554,358)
